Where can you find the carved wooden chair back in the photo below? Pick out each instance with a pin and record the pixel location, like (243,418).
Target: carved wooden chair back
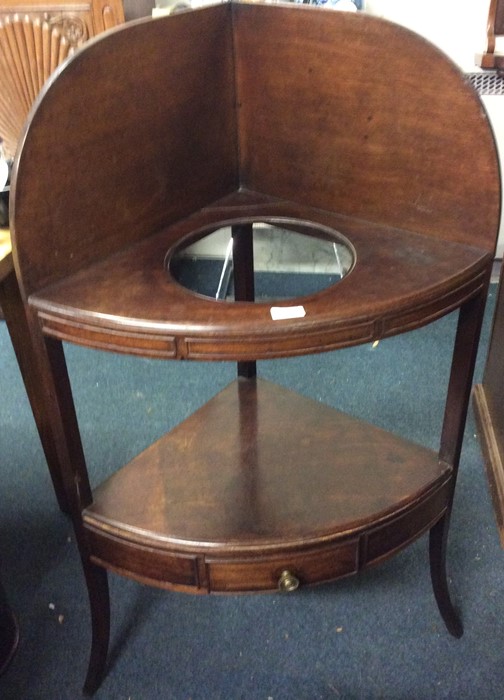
(30,50)
(35,38)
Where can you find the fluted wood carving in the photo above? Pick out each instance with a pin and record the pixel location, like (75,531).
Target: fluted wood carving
(30,50)
(33,42)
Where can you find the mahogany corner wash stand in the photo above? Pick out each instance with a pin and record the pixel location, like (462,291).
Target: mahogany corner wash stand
(335,125)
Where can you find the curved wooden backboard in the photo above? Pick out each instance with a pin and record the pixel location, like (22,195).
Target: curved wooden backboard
(334,110)
(135,132)
(358,115)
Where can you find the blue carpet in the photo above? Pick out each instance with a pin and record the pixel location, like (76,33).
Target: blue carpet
(378,635)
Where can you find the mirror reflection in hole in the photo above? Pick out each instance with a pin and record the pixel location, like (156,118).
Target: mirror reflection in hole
(287,263)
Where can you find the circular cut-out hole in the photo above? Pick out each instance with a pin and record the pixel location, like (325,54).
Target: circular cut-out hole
(291,258)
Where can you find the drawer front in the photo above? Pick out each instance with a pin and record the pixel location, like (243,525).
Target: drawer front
(143,564)
(387,539)
(264,573)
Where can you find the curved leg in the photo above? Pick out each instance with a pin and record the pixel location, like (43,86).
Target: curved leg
(437,556)
(98,590)
(61,412)
(457,401)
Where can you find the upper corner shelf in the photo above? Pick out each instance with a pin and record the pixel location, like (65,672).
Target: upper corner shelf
(398,281)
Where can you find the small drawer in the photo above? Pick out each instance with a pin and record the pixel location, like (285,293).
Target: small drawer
(387,539)
(145,564)
(263,573)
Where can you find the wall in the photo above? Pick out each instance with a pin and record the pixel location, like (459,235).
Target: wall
(458,27)
(134,9)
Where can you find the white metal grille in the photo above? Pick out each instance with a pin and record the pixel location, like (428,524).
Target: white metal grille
(488,83)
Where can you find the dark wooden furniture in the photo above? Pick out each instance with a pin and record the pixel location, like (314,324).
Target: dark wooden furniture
(9,632)
(491,58)
(488,397)
(35,37)
(240,113)
(488,401)
(14,313)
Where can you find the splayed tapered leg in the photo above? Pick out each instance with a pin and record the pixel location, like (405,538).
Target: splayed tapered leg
(97,583)
(437,555)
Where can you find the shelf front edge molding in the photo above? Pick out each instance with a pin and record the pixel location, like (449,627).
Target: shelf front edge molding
(227,506)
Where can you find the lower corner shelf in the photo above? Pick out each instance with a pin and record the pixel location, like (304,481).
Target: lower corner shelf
(261,482)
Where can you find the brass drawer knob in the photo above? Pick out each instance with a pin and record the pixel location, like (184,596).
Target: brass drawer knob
(287,582)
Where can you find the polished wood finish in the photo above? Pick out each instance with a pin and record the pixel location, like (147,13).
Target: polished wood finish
(240,114)
(35,38)
(252,495)
(179,165)
(170,167)
(488,399)
(79,19)
(491,58)
(488,413)
(243,278)
(376,154)
(95,307)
